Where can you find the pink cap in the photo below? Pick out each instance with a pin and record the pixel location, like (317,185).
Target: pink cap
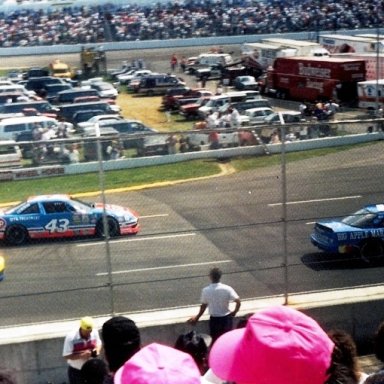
(159,364)
(278,345)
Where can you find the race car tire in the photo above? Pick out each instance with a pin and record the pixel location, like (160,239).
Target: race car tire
(371,249)
(16,235)
(113,228)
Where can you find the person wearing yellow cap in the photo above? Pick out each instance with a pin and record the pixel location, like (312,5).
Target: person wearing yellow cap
(79,346)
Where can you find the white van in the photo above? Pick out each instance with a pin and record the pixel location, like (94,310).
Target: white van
(209,60)
(216,102)
(10,154)
(11,127)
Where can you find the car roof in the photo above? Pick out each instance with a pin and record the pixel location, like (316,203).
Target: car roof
(49,197)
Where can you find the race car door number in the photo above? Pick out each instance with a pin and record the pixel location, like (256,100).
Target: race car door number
(57,225)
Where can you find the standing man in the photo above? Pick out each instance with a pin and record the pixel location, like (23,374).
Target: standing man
(217,297)
(80,346)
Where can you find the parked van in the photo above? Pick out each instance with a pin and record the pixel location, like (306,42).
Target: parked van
(42,107)
(10,154)
(209,60)
(216,102)
(69,96)
(158,84)
(11,127)
(67,111)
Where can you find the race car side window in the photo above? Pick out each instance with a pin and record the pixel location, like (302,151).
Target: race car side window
(33,208)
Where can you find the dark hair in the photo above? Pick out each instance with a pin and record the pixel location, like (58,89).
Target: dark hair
(121,340)
(215,274)
(344,365)
(195,345)
(94,371)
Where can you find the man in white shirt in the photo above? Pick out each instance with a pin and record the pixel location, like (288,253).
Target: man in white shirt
(81,345)
(217,297)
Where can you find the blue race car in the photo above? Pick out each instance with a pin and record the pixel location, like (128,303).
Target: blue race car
(361,233)
(61,216)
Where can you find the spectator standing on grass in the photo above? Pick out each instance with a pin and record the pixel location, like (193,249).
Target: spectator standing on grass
(173,62)
(217,298)
(80,346)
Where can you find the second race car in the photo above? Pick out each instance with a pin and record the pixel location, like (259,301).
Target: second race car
(361,233)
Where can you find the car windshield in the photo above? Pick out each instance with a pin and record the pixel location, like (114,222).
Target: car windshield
(363,218)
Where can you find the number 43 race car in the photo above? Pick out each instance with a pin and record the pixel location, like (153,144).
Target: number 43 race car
(361,233)
(61,216)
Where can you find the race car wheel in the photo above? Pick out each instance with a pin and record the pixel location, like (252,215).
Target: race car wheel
(113,228)
(371,249)
(16,235)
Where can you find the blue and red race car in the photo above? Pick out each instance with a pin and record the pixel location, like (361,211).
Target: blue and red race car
(361,233)
(61,216)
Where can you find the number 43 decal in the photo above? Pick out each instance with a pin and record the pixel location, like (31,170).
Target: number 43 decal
(57,225)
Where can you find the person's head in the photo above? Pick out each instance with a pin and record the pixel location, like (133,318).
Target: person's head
(195,344)
(159,364)
(278,345)
(94,371)
(121,340)
(86,326)
(344,356)
(215,275)
(379,342)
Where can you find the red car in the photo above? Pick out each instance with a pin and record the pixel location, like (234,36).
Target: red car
(190,111)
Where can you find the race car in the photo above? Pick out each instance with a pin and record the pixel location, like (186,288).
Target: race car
(361,233)
(62,216)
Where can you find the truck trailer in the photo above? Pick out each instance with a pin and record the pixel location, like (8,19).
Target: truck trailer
(371,94)
(315,78)
(351,44)
(265,52)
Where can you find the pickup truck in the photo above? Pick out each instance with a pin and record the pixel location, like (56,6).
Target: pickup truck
(191,98)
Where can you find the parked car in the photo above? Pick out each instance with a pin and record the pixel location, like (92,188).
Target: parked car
(41,107)
(361,233)
(192,97)
(190,111)
(125,78)
(52,91)
(67,111)
(83,116)
(169,98)
(126,129)
(242,83)
(255,115)
(105,89)
(70,95)
(157,84)
(10,154)
(100,119)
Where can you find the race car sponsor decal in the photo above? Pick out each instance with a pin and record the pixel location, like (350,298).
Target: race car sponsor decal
(3,223)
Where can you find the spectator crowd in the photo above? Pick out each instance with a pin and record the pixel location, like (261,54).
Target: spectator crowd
(180,19)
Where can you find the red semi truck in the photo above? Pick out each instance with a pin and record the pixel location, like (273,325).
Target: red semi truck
(315,78)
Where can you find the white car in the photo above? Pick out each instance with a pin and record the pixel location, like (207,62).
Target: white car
(255,115)
(125,78)
(105,89)
(98,119)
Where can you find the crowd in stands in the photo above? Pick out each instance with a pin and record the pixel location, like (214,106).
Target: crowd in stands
(181,19)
